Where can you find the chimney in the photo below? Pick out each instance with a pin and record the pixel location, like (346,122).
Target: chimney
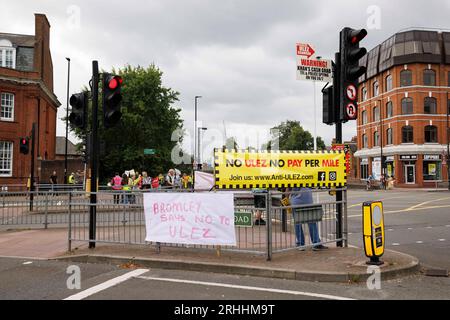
(42,57)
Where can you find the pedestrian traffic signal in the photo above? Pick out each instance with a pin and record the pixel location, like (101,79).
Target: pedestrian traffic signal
(111,99)
(350,71)
(24,145)
(78,116)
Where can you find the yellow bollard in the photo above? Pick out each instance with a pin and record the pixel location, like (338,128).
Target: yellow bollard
(373,231)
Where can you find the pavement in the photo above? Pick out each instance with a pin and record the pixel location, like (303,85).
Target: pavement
(331,265)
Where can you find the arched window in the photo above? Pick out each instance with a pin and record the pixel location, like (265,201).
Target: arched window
(376,89)
(389,136)
(407,134)
(429,77)
(429,105)
(364,141)
(389,111)
(364,94)
(376,139)
(7,54)
(389,82)
(376,114)
(430,134)
(405,78)
(364,117)
(407,106)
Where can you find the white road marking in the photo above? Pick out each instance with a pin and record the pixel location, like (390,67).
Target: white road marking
(227,285)
(441,240)
(390,229)
(410,228)
(429,227)
(107,284)
(419,241)
(396,244)
(28,262)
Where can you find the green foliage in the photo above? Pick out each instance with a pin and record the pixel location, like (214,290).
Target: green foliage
(147,122)
(292,136)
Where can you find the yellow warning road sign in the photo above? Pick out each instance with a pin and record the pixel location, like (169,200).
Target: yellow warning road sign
(243,169)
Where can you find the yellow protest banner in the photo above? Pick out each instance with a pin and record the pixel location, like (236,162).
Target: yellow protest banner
(243,169)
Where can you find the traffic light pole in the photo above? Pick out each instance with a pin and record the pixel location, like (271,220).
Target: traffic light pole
(94,156)
(338,138)
(33,134)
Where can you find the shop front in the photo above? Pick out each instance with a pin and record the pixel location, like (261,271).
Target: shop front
(432,168)
(408,163)
(389,164)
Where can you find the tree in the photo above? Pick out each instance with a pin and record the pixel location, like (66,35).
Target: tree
(147,122)
(291,136)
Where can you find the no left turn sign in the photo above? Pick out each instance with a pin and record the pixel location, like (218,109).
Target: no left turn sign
(351,111)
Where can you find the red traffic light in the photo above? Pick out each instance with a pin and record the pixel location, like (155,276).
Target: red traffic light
(357,35)
(24,141)
(114,82)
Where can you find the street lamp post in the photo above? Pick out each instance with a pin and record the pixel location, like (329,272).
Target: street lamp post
(381,140)
(195,142)
(198,147)
(67,121)
(448,145)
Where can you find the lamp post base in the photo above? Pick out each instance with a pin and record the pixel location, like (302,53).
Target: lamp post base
(375,261)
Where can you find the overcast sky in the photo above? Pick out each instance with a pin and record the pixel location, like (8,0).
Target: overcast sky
(239,55)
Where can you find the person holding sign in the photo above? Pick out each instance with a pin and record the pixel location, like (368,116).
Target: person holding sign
(302,196)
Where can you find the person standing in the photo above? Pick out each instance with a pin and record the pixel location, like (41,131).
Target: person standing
(53,182)
(302,196)
(116,184)
(146,181)
(259,196)
(170,179)
(125,188)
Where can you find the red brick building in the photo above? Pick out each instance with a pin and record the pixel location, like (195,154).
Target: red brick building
(26,97)
(403,102)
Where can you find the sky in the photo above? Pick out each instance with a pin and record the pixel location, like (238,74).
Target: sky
(239,55)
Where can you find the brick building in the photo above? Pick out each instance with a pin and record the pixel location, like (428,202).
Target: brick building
(403,106)
(26,90)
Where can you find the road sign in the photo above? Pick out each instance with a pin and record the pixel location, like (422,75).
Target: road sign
(351,111)
(242,219)
(149,151)
(351,92)
(314,70)
(304,49)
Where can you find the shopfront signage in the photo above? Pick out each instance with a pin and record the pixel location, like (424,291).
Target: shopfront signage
(408,157)
(431,157)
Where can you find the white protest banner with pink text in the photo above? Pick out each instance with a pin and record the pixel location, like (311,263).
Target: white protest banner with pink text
(190,218)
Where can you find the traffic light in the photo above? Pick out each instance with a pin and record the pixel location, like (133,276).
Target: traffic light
(350,71)
(111,99)
(78,116)
(329,114)
(24,145)
(85,149)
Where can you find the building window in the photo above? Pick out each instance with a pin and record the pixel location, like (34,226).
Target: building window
(405,78)
(389,136)
(429,77)
(364,141)
(7,54)
(429,105)
(407,134)
(376,139)
(431,170)
(389,111)
(7,106)
(407,106)
(376,114)
(364,170)
(6,153)
(376,89)
(389,83)
(364,94)
(364,117)
(430,134)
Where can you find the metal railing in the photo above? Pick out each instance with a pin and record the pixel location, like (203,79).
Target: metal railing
(120,218)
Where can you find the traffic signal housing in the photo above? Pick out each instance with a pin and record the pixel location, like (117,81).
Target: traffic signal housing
(111,99)
(329,112)
(78,116)
(24,145)
(350,71)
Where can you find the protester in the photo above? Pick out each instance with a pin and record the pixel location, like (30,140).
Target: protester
(170,178)
(260,203)
(116,184)
(155,183)
(126,188)
(146,181)
(185,180)
(71,179)
(301,198)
